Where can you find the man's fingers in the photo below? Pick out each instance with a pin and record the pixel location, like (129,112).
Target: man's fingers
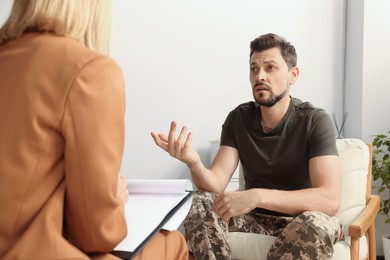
(226,219)
(163,137)
(218,205)
(223,212)
(170,143)
(188,142)
(156,138)
(221,207)
(172,139)
(160,140)
(182,135)
(179,142)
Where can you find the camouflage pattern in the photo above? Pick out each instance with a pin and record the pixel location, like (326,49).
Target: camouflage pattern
(309,235)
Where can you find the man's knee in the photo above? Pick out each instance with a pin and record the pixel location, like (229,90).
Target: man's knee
(201,196)
(315,228)
(205,230)
(201,203)
(322,224)
(309,235)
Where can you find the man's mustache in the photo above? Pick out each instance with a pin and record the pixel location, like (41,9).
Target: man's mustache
(259,84)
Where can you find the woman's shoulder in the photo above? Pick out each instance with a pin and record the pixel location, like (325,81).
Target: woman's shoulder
(65,47)
(57,49)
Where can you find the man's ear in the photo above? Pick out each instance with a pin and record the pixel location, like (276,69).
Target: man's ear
(294,73)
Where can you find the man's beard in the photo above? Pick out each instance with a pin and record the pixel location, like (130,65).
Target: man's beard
(272,100)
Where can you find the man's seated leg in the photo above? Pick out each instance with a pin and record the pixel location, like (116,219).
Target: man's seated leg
(206,231)
(310,235)
(165,245)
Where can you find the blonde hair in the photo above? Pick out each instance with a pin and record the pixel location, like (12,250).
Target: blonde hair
(86,21)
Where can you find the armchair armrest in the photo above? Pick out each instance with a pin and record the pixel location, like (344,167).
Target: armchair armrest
(360,226)
(363,224)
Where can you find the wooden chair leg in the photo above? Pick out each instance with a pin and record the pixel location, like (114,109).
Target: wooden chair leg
(354,248)
(372,242)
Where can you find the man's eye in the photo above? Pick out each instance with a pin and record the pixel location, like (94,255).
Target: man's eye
(253,69)
(274,67)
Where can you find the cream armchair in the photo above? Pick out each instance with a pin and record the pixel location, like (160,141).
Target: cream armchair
(357,211)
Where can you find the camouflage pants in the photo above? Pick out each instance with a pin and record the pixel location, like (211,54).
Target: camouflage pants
(309,235)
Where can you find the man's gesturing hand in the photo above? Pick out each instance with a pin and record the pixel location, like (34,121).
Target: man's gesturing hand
(179,148)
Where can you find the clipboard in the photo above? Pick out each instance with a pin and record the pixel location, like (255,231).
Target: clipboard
(130,255)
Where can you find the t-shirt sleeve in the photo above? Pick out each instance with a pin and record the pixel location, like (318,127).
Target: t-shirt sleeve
(227,133)
(321,135)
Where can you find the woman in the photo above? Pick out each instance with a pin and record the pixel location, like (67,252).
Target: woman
(62,107)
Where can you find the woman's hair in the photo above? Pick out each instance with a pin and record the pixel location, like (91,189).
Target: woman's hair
(86,21)
(270,40)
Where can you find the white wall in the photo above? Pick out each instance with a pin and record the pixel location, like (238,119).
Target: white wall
(376,68)
(368,62)
(188,61)
(5,7)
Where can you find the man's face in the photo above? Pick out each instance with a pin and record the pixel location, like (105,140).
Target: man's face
(270,77)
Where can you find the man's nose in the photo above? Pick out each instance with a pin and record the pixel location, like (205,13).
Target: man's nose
(261,75)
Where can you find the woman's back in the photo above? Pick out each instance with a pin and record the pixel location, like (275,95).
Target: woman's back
(61,141)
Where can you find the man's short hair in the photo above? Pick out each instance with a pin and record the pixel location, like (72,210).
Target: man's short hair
(270,40)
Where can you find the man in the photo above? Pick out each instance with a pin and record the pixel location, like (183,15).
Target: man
(288,153)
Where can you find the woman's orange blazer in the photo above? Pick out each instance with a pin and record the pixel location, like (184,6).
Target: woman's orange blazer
(61,142)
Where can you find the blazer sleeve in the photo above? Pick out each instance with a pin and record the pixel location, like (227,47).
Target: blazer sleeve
(93,129)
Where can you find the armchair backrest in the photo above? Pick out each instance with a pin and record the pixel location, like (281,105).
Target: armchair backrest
(355,161)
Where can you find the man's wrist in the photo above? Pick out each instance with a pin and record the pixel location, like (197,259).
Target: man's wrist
(195,166)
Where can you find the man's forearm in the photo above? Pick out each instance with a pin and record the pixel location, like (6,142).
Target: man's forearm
(205,179)
(296,202)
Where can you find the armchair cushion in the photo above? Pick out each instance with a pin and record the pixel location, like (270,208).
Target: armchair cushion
(250,246)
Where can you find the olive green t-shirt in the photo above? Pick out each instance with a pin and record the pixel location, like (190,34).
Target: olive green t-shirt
(279,159)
